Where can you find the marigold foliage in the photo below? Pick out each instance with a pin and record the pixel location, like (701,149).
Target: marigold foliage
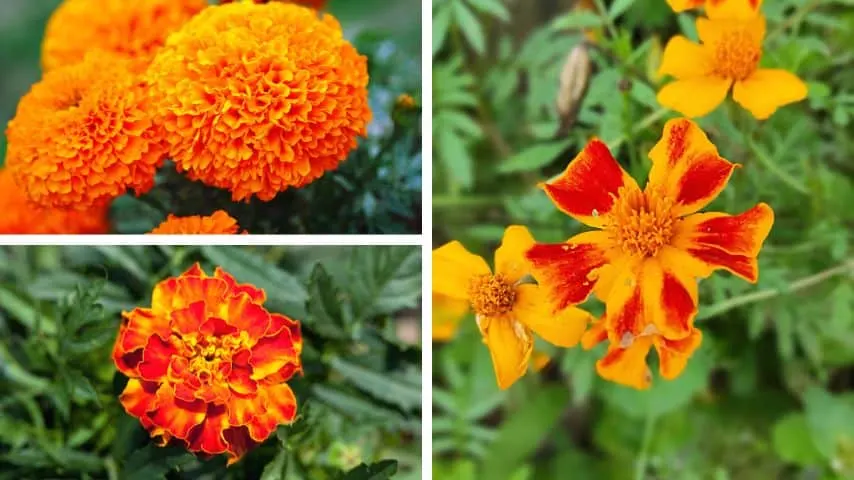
(83,135)
(208,364)
(240,114)
(220,222)
(133,29)
(21,216)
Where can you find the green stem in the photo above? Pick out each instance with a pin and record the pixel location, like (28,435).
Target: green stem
(609,23)
(643,455)
(772,167)
(450,201)
(644,123)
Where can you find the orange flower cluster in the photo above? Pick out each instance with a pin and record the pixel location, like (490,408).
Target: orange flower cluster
(20,216)
(208,364)
(83,135)
(218,223)
(239,114)
(315,4)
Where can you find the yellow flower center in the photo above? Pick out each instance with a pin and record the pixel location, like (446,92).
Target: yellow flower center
(641,223)
(491,295)
(206,354)
(736,54)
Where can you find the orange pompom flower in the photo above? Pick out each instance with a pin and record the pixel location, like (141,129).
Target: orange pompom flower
(131,29)
(83,136)
(506,309)
(259,98)
(727,57)
(219,222)
(208,364)
(719,8)
(650,246)
(18,215)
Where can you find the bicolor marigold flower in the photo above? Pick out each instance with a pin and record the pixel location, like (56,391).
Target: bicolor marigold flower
(219,222)
(242,115)
(208,364)
(316,4)
(83,136)
(728,56)
(506,309)
(18,215)
(128,29)
(650,246)
(719,8)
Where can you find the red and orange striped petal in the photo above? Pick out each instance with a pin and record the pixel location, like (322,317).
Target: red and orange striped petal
(283,375)
(280,407)
(165,295)
(175,416)
(195,271)
(568,271)
(138,326)
(270,354)
(239,442)
(627,366)
(240,380)
(256,294)
(625,313)
(216,327)
(247,316)
(673,355)
(126,363)
(594,335)
(208,436)
(139,397)
(587,189)
(686,167)
(669,297)
(192,289)
(188,320)
(156,357)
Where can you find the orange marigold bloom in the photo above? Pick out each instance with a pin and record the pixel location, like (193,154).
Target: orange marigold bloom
(20,216)
(728,57)
(83,136)
(220,222)
(719,8)
(132,29)
(651,245)
(506,309)
(316,4)
(208,364)
(242,115)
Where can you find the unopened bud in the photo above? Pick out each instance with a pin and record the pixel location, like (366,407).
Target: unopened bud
(574,79)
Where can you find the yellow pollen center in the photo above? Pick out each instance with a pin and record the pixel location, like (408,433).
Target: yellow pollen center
(641,223)
(207,353)
(491,295)
(736,55)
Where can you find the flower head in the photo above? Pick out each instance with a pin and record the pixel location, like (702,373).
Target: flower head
(20,216)
(506,309)
(132,29)
(650,246)
(208,364)
(220,222)
(728,56)
(83,136)
(242,115)
(316,4)
(719,8)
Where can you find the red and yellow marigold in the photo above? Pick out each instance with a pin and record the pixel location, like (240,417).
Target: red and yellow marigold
(260,98)
(20,216)
(208,364)
(220,222)
(649,248)
(316,4)
(83,136)
(131,29)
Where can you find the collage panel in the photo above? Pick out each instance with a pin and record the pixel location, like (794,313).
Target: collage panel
(210,362)
(210,117)
(642,240)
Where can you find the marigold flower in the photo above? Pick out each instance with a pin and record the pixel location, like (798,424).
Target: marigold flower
(728,57)
(316,4)
(83,136)
(651,245)
(506,310)
(130,29)
(447,314)
(208,364)
(20,216)
(219,222)
(719,8)
(241,115)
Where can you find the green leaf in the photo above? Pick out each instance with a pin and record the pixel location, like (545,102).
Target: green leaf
(152,462)
(380,385)
(355,407)
(324,305)
(492,7)
(375,471)
(22,309)
(470,27)
(829,420)
(384,280)
(793,442)
(441,25)
(126,258)
(619,7)
(276,469)
(534,157)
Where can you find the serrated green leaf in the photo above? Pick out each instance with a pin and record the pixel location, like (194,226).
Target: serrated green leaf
(382,470)
(534,157)
(379,385)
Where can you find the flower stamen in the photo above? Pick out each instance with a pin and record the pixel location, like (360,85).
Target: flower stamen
(736,54)
(491,295)
(641,223)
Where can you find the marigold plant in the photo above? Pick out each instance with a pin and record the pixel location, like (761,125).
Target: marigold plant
(83,135)
(133,29)
(728,56)
(208,364)
(241,115)
(507,308)
(219,222)
(649,248)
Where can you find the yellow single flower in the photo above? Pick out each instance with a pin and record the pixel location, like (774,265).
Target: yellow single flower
(447,314)
(507,311)
(728,56)
(742,9)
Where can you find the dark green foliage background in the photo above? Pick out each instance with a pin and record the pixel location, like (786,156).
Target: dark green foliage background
(771,392)
(359,400)
(377,190)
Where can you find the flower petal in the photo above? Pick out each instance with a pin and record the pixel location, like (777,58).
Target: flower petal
(193,289)
(562,328)
(712,31)
(594,335)
(216,327)
(694,97)
(587,188)
(624,308)
(669,298)
(138,326)
(156,358)
(673,355)
(447,314)
(568,271)
(682,5)
(510,258)
(241,312)
(239,442)
(280,407)
(138,398)
(732,9)
(175,416)
(208,437)
(510,345)
(453,269)
(766,90)
(165,295)
(627,366)
(272,353)
(188,320)
(683,58)
(240,380)
(256,294)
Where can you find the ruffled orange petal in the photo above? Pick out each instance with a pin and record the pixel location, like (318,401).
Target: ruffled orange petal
(246,316)
(139,398)
(447,314)
(510,258)
(767,90)
(256,294)
(272,353)
(207,437)
(453,269)
(174,416)
(587,189)
(192,289)
(510,344)
(280,407)
(188,320)
(562,328)
(156,357)
(673,355)
(139,325)
(627,366)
